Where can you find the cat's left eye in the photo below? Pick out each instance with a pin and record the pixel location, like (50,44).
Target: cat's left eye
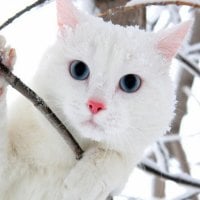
(79,70)
(130,83)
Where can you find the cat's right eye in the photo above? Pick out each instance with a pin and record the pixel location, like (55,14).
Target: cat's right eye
(79,70)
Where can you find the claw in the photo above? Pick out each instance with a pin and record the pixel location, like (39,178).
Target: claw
(8,57)
(12,57)
(7,54)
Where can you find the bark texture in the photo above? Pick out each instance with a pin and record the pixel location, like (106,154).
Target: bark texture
(135,16)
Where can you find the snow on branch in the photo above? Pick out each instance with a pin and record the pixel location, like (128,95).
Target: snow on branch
(193,48)
(175,137)
(189,93)
(188,195)
(193,3)
(181,178)
(141,3)
(189,65)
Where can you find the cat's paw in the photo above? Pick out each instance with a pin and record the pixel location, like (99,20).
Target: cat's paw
(8,58)
(85,185)
(7,54)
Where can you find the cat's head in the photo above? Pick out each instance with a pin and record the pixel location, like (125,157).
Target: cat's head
(109,82)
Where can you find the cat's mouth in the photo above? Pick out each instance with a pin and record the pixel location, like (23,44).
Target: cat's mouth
(91,123)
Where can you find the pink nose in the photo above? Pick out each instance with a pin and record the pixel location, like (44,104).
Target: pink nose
(95,106)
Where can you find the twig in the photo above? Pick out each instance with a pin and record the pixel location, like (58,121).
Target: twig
(10,20)
(189,65)
(145,3)
(162,155)
(188,195)
(181,179)
(39,103)
(128,197)
(189,93)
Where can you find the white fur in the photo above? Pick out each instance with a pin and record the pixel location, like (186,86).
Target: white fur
(38,164)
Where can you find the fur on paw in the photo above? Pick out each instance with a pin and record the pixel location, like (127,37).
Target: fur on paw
(85,184)
(7,54)
(8,58)
(2,86)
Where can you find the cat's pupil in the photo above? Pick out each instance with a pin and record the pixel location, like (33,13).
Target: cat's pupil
(79,70)
(130,83)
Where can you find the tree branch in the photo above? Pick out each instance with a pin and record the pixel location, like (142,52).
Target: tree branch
(39,103)
(142,3)
(188,195)
(183,178)
(28,8)
(189,65)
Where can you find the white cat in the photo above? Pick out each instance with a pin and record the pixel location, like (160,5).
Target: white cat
(110,86)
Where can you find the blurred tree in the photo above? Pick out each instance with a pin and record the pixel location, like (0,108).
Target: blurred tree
(137,16)
(185,79)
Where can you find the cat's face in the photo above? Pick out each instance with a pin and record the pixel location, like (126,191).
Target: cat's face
(110,83)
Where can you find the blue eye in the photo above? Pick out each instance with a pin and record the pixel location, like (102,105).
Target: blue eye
(130,83)
(79,70)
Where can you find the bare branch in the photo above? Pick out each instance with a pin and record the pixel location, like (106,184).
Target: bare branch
(39,103)
(162,155)
(188,195)
(182,178)
(189,65)
(28,8)
(189,93)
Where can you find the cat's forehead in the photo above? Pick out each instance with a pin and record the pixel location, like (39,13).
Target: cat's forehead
(105,46)
(112,39)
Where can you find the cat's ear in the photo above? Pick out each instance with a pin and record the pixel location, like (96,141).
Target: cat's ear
(67,14)
(168,42)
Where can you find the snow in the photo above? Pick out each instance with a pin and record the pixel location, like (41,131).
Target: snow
(138,2)
(188,194)
(40,25)
(86,5)
(34,30)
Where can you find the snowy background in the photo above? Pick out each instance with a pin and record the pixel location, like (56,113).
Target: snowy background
(32,33)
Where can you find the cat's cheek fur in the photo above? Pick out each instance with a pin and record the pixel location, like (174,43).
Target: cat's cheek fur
(107,124)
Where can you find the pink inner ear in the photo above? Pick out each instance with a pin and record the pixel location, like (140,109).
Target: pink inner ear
(170,41)
(66,13)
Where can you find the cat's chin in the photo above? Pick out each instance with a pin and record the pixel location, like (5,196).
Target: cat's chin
(92,130)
